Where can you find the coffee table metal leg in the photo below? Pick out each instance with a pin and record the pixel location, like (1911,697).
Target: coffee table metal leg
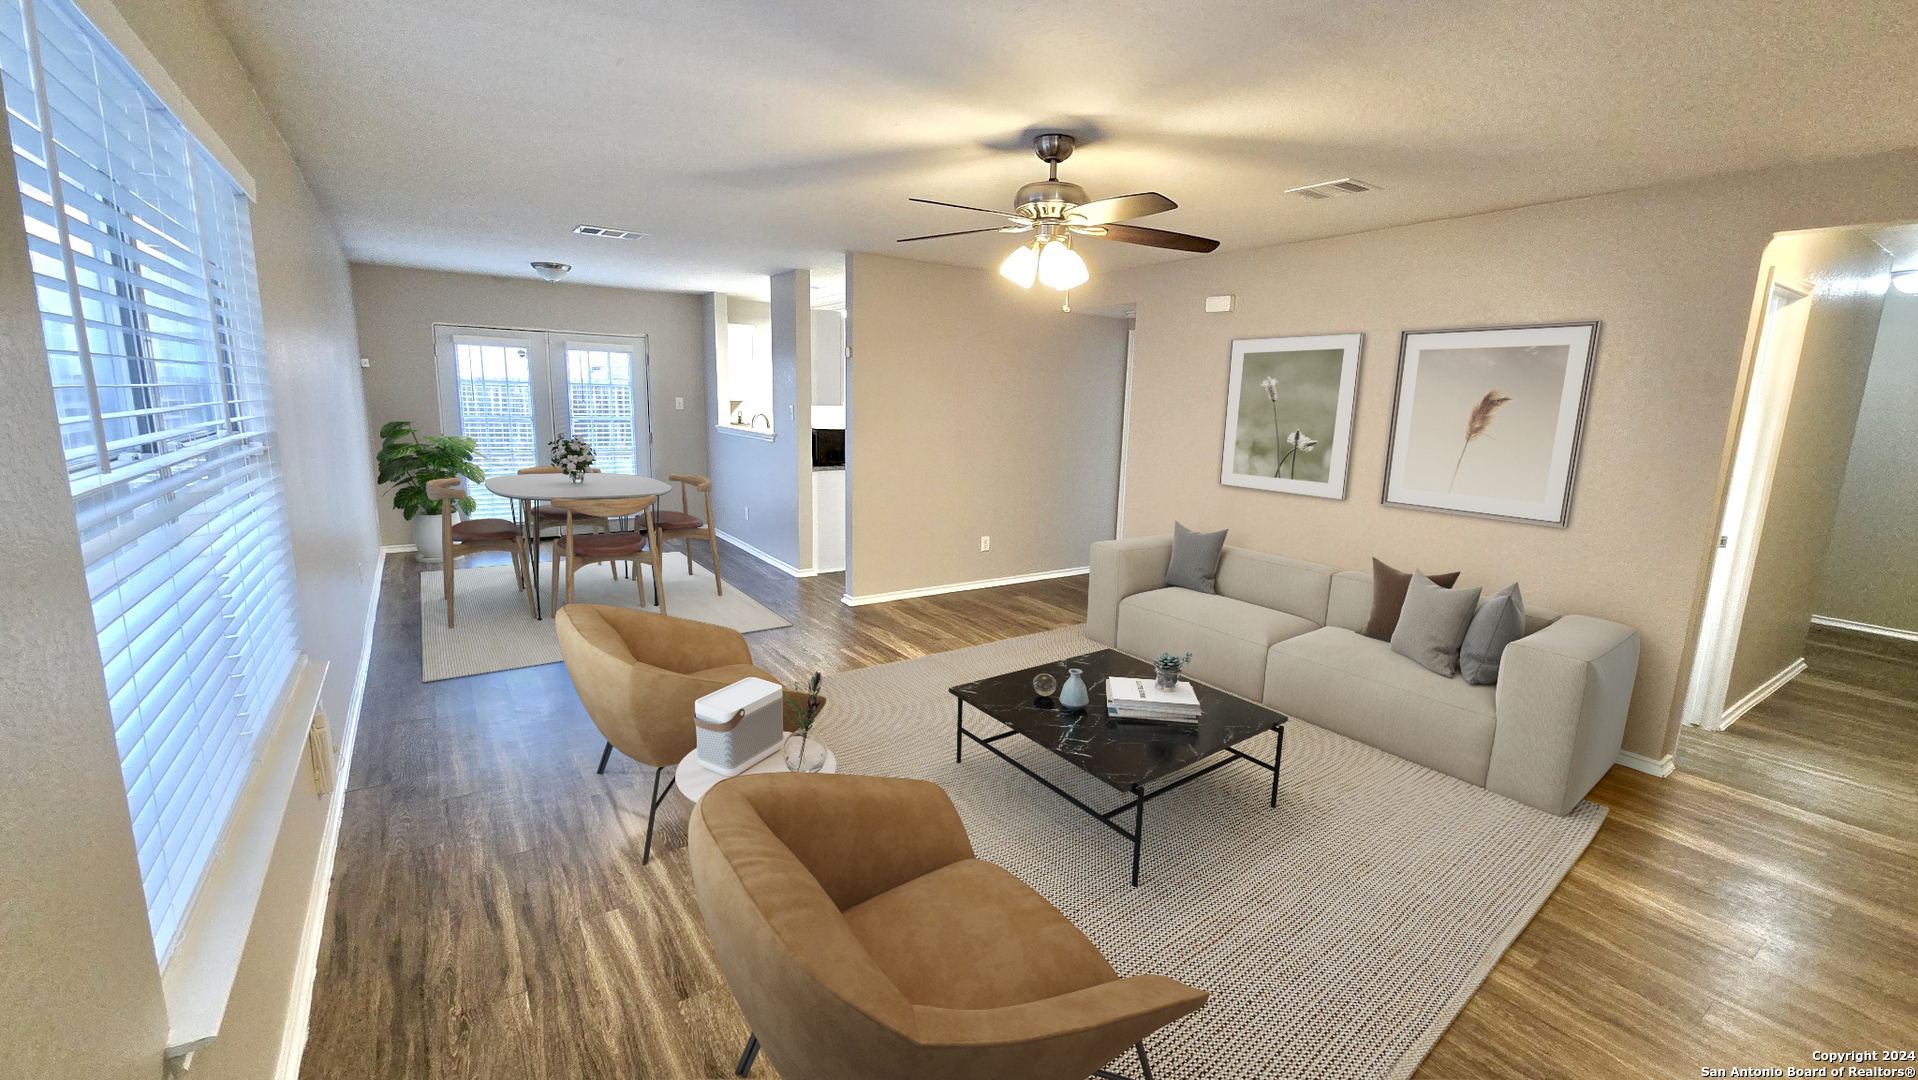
(1278,750)
(959,735)
(1138,829)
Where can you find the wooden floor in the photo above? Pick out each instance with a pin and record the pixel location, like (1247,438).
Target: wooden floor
(490,918)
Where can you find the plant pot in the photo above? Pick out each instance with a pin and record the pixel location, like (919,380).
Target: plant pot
(577,478)
(804,753)
(427,536)
(1167,678)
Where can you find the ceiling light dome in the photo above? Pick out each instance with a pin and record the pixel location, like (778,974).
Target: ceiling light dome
(1021,267)
(551,271)
(1060,267)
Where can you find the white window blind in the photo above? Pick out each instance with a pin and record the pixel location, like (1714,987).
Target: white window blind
(142,257)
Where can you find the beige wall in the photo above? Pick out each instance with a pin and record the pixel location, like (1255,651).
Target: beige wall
(1670,270)
(975,409)
(1847,271)
(76,935)
(398,307)
(1871,572)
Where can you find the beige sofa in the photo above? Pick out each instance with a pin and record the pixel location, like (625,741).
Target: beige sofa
(1287,633)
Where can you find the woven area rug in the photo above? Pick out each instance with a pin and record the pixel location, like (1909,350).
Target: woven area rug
(496,631)
(1338,934)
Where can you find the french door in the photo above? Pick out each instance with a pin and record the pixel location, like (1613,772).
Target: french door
(514,391)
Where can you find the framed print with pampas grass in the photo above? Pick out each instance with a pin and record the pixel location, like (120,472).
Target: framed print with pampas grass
(1288,413)
(1488,421)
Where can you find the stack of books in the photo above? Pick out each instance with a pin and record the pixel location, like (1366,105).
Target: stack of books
(1141,699)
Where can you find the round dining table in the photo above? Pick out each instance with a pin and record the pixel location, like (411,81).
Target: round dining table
(531,489)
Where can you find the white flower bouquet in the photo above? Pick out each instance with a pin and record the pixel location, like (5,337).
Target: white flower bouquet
(572,455)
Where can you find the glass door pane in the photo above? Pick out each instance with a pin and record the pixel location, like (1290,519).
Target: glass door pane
(495,381)
(604,401)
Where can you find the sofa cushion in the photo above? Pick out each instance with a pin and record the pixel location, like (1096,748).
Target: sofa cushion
(971,936)
(1499,622)
(1433,623)
(1293,586)
(1228,638)
(1195,559)
(1350,604)
(1388,597)
(1346,682)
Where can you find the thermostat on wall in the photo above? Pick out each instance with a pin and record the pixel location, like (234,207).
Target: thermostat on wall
(1218,303)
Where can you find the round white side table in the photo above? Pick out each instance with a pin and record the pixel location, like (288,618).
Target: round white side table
(695,780)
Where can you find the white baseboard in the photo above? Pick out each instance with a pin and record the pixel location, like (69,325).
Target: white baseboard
(963,586)
(1656,766)
(300,1007)
(776,563)
(1766,689)
(394,548)
(1866,628)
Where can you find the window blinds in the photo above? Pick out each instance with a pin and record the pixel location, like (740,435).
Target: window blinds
(142,259)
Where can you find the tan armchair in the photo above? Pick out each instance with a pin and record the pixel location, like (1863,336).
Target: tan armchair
(863,939)
(639,673)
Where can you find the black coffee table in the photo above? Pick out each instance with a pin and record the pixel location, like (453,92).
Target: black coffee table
(1125,753)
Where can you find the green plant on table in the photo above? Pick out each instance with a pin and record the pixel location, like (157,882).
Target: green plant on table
(408,460)
(1172,660)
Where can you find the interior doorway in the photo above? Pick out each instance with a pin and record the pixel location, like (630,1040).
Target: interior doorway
(1781,338)
(513,391)
(1125,436)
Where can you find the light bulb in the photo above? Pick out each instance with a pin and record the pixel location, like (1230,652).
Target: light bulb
(1020,266)
(1906,281)
(1061,268)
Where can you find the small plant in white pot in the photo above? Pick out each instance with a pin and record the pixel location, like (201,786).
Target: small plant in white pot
(1166,669)
(408,460)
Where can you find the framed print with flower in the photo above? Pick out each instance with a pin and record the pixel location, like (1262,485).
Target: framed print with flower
(1488,421)
(1288,413)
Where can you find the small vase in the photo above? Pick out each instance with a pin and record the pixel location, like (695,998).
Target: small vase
(804,754)
(1168,676)
(1073,694)
(577,478)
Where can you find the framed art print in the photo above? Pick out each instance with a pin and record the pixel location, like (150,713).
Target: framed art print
(1288,413)
(1488,421)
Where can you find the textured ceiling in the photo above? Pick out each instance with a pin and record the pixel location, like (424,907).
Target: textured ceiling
(750,137)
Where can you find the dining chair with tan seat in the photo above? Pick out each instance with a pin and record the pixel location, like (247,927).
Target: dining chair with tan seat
(476,535)
(576,550)
(683,524)
(638,674)
(864,940)
(547,516)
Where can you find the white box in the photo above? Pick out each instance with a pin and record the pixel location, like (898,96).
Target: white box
(740,725)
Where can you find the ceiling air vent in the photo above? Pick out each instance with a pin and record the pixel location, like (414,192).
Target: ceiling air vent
(601,230)
(1328,188)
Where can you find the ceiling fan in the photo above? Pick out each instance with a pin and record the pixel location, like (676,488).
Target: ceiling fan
(1056,211)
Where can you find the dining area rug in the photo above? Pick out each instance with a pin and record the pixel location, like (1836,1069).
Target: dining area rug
(496,631)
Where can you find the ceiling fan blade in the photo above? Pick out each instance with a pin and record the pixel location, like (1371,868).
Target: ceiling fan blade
(1159,238)
(942,235)
(963,206)
(1124,208)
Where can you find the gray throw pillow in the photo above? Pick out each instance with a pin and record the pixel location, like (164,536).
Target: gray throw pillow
(1433,623)
(1498,623)
(1195,559)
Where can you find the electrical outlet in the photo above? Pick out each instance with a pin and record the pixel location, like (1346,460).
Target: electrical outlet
(985,543)
(679,403)
(366,362)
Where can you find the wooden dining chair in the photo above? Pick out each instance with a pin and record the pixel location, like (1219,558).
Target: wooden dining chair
(682,524)
(577,550)
(475,535)
(547,516)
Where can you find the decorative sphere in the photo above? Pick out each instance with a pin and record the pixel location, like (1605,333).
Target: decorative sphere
(1044,684)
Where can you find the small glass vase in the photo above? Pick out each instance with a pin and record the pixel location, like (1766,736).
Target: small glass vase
(577,478)
(804,753)
(1168,676)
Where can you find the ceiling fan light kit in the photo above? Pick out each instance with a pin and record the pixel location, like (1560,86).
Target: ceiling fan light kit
(1057,211)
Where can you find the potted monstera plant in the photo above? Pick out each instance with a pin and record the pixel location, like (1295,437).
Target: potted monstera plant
(408,460)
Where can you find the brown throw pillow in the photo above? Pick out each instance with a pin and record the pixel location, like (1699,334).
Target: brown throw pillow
(1388,597)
